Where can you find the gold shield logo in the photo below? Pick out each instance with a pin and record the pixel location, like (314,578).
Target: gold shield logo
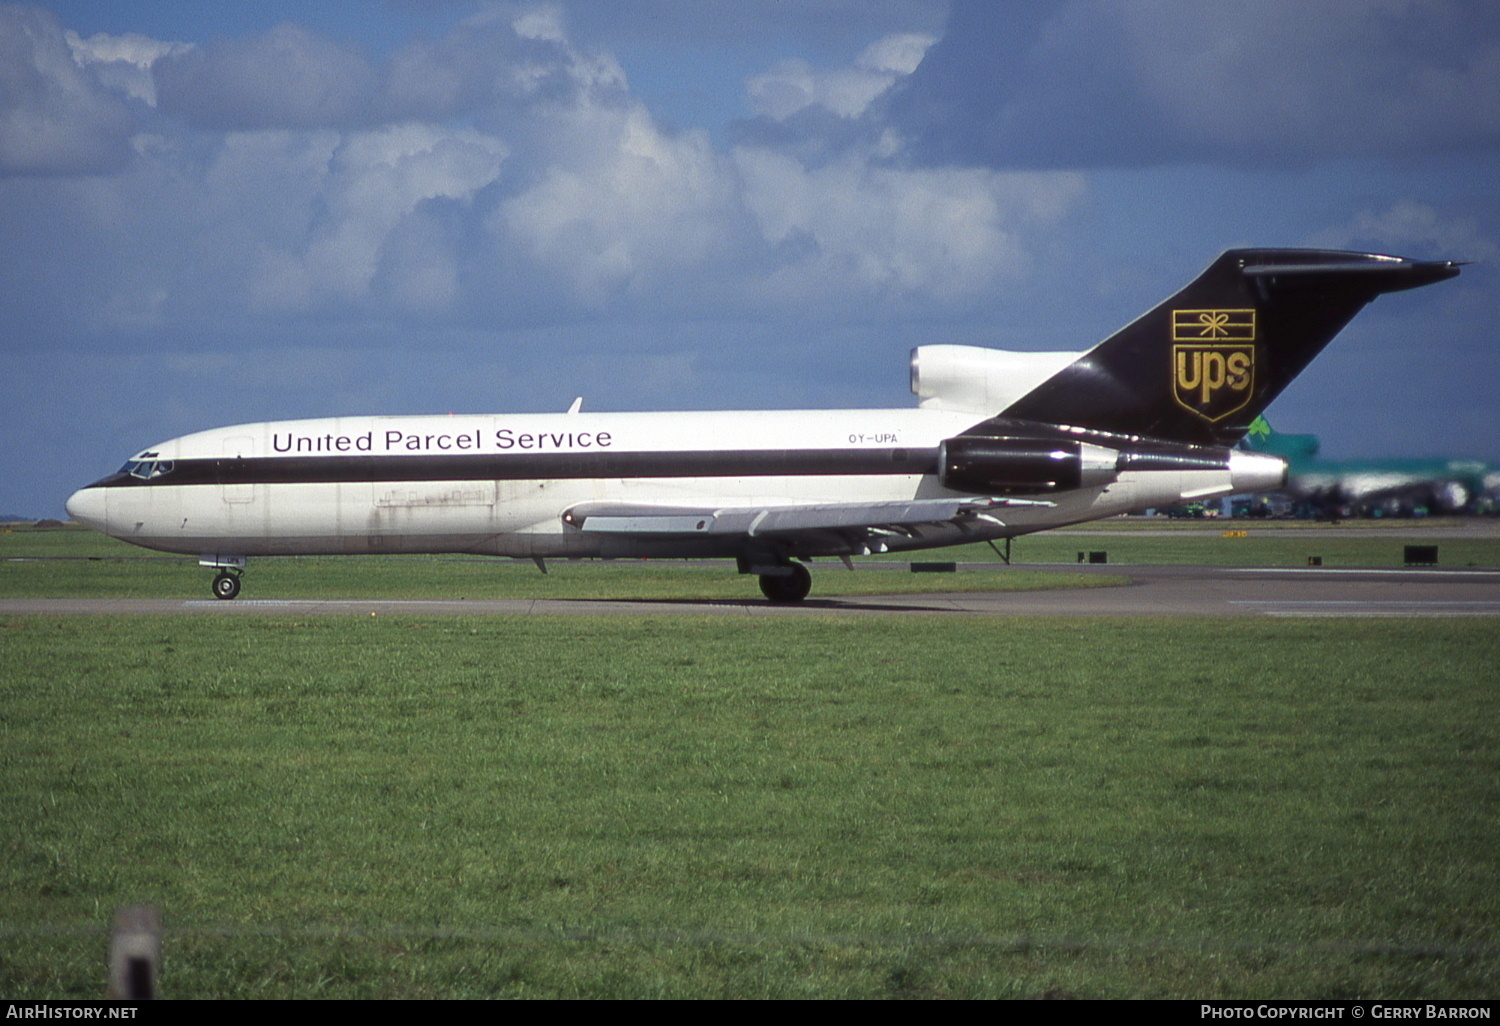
(1213,361)
(1213,381)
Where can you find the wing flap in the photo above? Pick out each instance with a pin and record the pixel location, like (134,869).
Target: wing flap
(771,521)
(855,515)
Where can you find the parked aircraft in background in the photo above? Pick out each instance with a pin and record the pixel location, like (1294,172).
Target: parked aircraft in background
(1389,487)
(1000,444)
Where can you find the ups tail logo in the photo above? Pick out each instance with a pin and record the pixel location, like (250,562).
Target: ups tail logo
(1213,361)
(1213,381)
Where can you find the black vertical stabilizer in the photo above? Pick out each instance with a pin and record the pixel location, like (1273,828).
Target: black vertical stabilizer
(1204,364)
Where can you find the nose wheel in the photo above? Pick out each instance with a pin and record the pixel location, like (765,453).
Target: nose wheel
(227,584)
(230,566)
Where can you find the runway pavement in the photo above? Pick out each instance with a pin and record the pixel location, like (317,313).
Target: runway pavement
(1176,591)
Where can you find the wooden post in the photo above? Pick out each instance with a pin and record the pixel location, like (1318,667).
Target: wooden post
(134,953)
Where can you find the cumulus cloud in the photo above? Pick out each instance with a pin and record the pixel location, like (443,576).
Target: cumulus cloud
(500,168)
(1090,83)
(369,214)
(55,118)
(124,64)
(1411,228)
(855,224)
(287,78)
(621,208)
(794,85)
(632,207)
(498,61)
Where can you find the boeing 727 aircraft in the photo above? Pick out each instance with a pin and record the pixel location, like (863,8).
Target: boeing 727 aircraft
(1000,444)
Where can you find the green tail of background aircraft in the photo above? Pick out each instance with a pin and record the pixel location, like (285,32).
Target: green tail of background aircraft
(1391,487)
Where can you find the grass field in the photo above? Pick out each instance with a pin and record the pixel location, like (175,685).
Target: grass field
(721,807)
(590,807)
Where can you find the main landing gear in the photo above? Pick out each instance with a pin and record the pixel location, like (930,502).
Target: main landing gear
(227,583)
(790,584)
(781,580)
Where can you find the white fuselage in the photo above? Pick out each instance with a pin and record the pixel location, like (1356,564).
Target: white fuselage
(500,484)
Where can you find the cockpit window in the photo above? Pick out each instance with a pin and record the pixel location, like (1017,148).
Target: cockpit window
(147,470)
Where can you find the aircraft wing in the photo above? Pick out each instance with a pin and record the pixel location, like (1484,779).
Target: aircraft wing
(899,517)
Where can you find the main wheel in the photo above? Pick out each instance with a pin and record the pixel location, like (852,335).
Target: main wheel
(226,585)
(787,588)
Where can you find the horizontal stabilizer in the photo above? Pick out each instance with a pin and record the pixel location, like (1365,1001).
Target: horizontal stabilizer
(1380,273)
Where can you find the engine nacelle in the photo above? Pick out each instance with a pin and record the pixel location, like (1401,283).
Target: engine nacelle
(985,465)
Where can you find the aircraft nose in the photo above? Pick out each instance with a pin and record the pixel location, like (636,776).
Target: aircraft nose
(87,506)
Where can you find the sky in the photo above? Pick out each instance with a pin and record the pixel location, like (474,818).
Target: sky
(220,213)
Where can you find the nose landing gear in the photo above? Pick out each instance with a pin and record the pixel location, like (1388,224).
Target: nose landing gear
(227,583)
